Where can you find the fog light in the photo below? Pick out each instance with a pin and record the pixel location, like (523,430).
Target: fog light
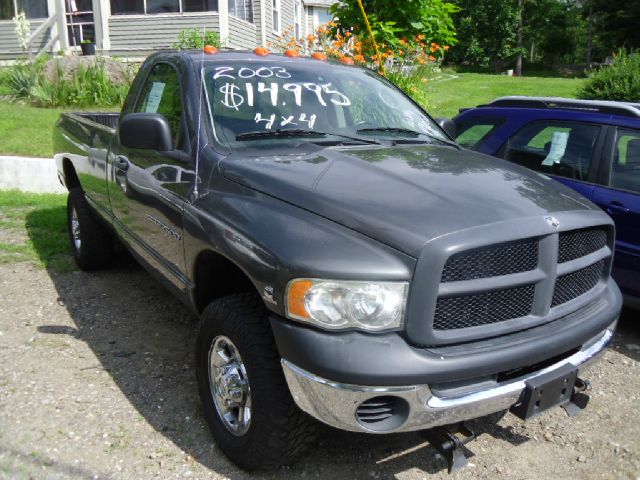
(382,414)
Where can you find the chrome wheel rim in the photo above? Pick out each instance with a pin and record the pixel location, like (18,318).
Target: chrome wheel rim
(75,229)
(229,385)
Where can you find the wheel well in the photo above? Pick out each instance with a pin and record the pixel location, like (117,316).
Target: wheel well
(217,276)
(71,179)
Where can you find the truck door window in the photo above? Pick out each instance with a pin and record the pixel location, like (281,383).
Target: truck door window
(625,173)
(161,94)
(559,148)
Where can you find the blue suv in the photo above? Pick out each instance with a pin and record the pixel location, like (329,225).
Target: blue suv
(590,146)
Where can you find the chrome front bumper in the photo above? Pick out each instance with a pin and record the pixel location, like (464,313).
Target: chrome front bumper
(336,404)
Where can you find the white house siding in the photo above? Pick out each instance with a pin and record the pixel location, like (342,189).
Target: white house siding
(9,46)
(242,34)
(131,33)
(286,19)
(257,19)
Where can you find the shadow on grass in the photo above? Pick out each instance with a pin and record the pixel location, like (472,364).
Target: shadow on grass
(536,70)
(47,231)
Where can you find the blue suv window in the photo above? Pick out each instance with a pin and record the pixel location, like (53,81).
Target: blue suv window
(554,147)
(626,161)
(472,131)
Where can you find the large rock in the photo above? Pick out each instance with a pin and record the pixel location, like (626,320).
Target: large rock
(119,72)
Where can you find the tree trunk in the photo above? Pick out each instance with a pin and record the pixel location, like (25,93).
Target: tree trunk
(519,38)
(590,33)
(532,52)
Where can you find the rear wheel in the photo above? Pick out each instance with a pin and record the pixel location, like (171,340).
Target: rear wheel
(244,394)
(91,242)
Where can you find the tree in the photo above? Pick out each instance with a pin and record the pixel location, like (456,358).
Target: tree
(492,32)
(486,31)
(616,23)
(555,31)
(393,21)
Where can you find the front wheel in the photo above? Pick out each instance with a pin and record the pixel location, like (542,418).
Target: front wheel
(91,242)
(244,394)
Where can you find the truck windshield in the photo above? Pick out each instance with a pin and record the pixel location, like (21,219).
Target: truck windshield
(261,103)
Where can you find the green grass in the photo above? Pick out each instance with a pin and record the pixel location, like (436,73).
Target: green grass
(26,130)
(447,95)
(33,228)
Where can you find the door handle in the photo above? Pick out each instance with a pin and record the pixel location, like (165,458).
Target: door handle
(617,207)
(121,163)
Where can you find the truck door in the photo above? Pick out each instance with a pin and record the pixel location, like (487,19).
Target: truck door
(148,187)
(620,198)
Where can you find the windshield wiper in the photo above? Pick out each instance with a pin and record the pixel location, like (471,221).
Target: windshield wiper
(407,131)
(390,129)
(297,132)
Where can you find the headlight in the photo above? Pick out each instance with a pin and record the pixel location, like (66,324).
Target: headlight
(337,304)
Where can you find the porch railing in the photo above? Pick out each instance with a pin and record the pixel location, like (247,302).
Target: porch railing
(47,24)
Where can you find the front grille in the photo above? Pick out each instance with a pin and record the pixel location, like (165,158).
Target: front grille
(579,243)
(577,283)
(492,261)
(484,308)
(480,302)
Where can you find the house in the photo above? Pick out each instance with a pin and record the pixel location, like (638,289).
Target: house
(133,28)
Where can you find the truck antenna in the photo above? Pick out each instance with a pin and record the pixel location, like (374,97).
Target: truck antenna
(201,75)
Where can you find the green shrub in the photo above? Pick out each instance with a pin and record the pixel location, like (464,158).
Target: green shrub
(620,81)
(191,39)
(413,82)
(20,80)
(88,86)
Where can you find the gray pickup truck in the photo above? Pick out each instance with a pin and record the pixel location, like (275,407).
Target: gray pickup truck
(346,259)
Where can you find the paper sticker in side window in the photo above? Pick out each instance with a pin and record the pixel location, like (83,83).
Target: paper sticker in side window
(558,146)
(155,95)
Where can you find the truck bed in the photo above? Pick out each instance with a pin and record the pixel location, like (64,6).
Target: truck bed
(107,119)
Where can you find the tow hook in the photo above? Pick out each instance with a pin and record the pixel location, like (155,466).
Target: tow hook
(579,399)
(450,441)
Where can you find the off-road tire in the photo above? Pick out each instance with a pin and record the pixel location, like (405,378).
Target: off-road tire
(96,242)
(279,432)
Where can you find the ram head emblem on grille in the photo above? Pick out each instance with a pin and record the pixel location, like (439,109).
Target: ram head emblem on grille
(553,221)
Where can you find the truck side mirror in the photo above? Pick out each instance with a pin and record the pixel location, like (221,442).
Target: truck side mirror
(149,131)
(448,126)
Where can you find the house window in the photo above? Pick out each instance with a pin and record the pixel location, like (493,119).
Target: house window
(163,6)
(31,8)
(321,16)
(297,20)
(242,9)
(199,5)
(137,7)
(275,11)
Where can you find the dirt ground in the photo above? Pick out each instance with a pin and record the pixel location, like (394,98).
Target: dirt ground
(97,381)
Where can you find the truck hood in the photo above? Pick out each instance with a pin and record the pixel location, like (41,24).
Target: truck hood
(404,196)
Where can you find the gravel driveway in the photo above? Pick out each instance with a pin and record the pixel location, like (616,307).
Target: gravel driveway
(97,381)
